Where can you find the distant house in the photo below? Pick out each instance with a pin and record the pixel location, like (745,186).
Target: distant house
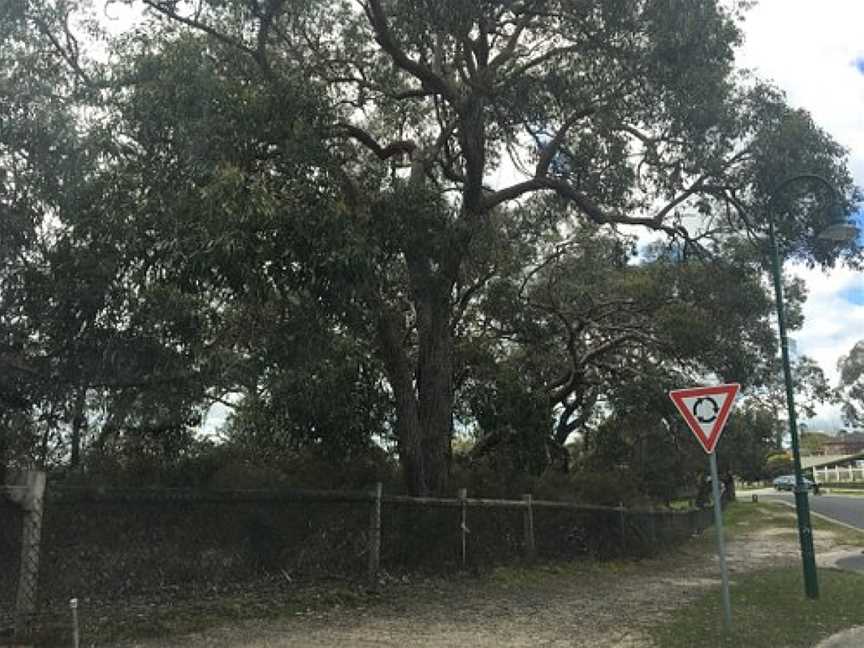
(846,444)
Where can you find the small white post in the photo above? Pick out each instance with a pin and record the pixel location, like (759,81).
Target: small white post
(528,528)
(463,526)
(76,634)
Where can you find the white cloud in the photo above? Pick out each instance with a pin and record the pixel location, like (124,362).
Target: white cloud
(832,324)
(809,50)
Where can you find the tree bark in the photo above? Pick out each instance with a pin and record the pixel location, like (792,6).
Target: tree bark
(423,393)
(434,394)
(79,421)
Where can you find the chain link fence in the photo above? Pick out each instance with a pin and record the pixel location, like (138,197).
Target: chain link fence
(11,517)
(22,507)
(137,550)
(108,544)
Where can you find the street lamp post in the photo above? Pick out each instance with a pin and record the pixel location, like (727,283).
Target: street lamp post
(838,231)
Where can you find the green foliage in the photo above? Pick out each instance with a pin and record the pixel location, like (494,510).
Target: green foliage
(772,594)
(292,212)
(746,442)
(812,442)
(644,454)
(778,463)
(505,406)
(607,488)
(206,465)
(851,368)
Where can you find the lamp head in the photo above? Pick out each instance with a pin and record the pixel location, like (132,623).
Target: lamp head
(840,230)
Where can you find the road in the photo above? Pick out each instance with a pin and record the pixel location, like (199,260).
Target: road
(848,509)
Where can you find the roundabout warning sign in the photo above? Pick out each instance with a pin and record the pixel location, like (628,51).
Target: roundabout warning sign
(705,409)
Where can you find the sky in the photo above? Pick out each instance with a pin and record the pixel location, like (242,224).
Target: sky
(814,51)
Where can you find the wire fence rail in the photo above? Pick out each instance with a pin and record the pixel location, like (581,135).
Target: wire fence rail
(144,547)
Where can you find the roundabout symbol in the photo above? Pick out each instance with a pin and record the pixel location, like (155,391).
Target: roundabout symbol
(704,416)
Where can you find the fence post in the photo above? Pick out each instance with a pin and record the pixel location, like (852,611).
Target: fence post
(463,526)
(623,523)
(528,528)
(375,533)
(29,497)
(652,525)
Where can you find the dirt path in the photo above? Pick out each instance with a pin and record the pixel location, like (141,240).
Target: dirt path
(573,605)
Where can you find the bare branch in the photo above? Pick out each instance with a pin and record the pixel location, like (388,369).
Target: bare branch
(512,192)
(166,9)
(554,145)
(680,198)
(274,8)
(401,147)
(465,298)
(541,59)
(70,56)
(384,37)
(509,49)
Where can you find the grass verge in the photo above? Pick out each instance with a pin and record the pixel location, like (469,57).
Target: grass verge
(743,518)
(833,490)
(104,623)
(768,609)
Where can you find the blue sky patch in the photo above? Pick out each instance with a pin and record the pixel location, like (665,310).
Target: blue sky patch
(858,219)
(859,64)
(853,295)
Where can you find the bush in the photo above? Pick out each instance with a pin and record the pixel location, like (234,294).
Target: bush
(609,488)
(224,467)
(779,464)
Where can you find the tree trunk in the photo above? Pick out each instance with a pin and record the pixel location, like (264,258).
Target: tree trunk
(42,460)
(778,433)
(79,421)
(435,396)
(424,395)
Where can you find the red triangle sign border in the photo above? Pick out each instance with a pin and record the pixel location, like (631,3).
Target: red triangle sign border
(709,442)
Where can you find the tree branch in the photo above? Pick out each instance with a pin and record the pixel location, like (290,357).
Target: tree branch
(509,49)
(554,145)
(166,9)
(401,147)
(384,37)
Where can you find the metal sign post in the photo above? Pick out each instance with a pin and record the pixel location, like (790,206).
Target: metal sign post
(721,547)
(705,409)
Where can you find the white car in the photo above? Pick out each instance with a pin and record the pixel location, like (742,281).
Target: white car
(787,483)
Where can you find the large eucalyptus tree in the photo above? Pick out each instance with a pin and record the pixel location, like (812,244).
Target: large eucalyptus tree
(357,160)
(434,115)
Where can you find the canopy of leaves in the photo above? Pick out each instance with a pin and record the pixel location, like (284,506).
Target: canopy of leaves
(851,368)
(351,222)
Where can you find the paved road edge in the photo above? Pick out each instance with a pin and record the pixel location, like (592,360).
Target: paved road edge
(822,516)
